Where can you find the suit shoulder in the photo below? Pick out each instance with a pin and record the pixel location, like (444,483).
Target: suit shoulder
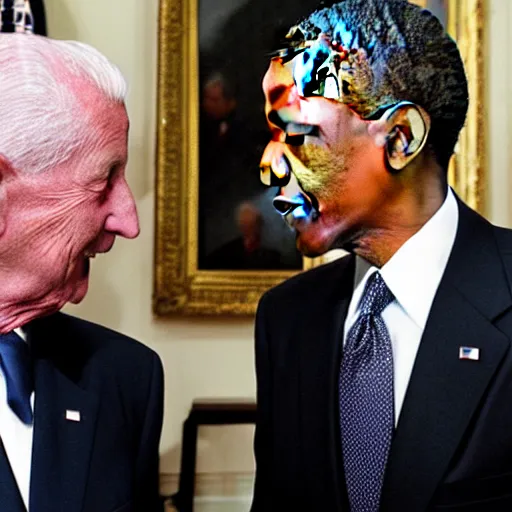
(93,332)
(503,238)
(310,281)
(68,338)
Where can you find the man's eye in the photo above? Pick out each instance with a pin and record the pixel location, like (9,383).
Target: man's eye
(274,118)
(294,140)
(108,182)
(111,175)
(297,135)
(293,129)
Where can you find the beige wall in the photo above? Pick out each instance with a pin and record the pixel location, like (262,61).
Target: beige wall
(211,357)
(499,110)
(201,357)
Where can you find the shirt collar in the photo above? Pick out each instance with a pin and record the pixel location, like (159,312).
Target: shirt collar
(414,272)
(21,333)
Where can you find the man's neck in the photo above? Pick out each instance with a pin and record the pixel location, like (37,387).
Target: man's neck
(399,222)
(15,315)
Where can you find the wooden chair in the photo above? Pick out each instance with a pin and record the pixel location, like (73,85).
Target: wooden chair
(206,412)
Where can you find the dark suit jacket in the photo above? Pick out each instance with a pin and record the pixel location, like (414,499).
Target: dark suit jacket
(107,462)
(38,14)
(452,449)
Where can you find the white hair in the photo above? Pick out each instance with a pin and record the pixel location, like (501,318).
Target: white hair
(43,122)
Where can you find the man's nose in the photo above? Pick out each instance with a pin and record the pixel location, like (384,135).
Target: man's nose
(275,167)
(276,80)
(124,220)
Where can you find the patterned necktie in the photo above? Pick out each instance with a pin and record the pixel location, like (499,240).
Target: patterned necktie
(366,399)
(16,366)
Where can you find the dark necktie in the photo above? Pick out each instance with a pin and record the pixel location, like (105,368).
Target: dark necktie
(366,399)
(16,366)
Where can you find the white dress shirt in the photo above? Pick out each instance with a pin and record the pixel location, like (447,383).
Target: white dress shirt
(413,275)
(17,439)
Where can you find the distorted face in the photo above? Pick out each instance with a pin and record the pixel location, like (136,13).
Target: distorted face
(332,144)
(215,102)
(250,224)
(330,163)
(57,220)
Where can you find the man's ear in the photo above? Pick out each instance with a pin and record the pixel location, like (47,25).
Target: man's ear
(403,131)
(6,172)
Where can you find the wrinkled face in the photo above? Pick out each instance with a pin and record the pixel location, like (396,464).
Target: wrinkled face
(59,219)
(330,171)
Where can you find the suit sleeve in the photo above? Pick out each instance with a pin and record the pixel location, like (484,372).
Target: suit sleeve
(262,501)
(147,493)
(38,12)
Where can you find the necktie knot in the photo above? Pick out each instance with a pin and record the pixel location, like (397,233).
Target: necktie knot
(16,366)
(376,297)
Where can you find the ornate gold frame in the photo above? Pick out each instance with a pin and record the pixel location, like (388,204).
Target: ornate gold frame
(466,24)
(179,287)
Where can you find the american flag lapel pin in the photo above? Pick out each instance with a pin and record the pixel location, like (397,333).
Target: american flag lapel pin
(470,353)
(73,415)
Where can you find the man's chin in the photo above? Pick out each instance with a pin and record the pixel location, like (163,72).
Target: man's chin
(79,291)
(311,244)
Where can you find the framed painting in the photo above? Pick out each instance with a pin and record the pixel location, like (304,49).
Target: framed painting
(218,244)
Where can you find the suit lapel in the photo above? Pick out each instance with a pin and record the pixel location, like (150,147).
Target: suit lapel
(10,497)
(444,391)
(61,447)
(320,353)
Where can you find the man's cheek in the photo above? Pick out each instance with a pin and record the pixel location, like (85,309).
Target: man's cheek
(311,181)
(313,159)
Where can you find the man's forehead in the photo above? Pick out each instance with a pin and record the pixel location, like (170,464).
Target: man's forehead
(108,131)
(329,67)
(109,115)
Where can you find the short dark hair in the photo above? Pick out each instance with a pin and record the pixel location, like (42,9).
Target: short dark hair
(411,58)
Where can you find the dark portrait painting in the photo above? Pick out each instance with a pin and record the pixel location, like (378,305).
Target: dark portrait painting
(238,226)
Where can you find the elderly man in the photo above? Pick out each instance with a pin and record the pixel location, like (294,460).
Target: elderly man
(384,378)
(80,405)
